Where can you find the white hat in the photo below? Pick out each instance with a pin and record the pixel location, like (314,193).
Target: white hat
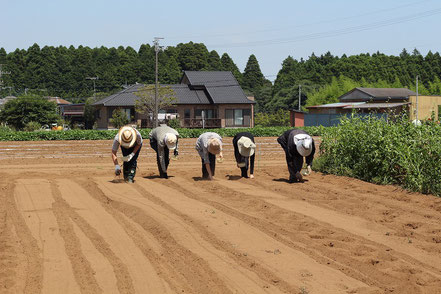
(303,144)
(127,136)
(214,146)
(170,140)
(246,146)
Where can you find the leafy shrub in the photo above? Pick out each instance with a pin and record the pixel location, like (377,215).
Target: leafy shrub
(32,126)
(384,152)
(279,118)
(174,123)
(119,118)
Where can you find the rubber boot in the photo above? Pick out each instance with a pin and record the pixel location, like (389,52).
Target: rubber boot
(131,174)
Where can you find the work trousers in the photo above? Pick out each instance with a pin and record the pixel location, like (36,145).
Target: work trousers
(295,164)
(212,159)
(129,167)
(154,145)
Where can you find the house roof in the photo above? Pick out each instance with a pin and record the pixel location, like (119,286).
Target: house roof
(336,105)
(217,87)
(127,96)
(359,105)
(366,94)
(59,100)
(377,105)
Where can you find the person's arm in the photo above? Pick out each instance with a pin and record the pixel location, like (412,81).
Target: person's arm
(131,155)
(115,162)
(176,152)
(252,165)
(310,158)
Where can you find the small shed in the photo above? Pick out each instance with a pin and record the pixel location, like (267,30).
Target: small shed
(297,118)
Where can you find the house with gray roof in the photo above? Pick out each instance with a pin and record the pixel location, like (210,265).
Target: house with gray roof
(381,102)
(211,99)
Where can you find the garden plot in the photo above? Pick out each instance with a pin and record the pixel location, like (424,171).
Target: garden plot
(65,227)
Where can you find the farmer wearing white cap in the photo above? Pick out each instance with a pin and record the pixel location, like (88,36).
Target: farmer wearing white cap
(163,139)
(130,141)
(244,151)
(208,145)
(297,144)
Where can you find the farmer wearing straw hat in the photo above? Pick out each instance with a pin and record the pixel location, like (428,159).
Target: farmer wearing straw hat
(130,141)
(208,145)
(163,139)
(244,151)
(297,144)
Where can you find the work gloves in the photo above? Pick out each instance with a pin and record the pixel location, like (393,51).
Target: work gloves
(117,170)
(128,157)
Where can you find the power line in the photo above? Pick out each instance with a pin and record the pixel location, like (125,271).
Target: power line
(299,26)
(333,33)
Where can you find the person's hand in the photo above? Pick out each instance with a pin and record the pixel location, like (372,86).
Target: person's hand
(221,155)
(128,157)
(251,176)
(117,170)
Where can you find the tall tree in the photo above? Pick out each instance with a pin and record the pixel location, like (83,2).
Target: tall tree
(253,78)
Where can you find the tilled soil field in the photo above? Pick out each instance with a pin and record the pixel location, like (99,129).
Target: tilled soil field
(66,226)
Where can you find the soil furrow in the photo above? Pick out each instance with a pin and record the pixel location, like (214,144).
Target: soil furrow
(83,272)
(196,272)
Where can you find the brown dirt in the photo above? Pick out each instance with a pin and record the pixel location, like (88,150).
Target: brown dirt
(67,227)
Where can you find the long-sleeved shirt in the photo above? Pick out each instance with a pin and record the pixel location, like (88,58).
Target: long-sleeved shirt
(158,134)
(116,143)
(202,144)
(286,140)
(239,157)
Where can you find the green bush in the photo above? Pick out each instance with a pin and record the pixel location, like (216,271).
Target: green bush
(384,152)
(119,118)
(279,118)
(32,126)
(174,123)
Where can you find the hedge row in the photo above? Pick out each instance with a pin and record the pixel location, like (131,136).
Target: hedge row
(384,152)
(110,134)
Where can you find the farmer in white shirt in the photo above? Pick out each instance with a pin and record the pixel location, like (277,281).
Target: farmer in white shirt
(163,139)
(130,141)
(208,145)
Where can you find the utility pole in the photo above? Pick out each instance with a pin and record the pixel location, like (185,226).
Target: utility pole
(300,97)
(94,89)
(157,48)
(416,101)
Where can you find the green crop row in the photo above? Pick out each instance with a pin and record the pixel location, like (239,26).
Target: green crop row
(110,134)
(384,152)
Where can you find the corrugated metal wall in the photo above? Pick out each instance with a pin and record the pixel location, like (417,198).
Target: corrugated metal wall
(328,120)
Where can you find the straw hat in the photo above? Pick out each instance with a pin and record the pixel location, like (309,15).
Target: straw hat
(303,144)
(127,136)
(170,140)
(214,146)
(246,146)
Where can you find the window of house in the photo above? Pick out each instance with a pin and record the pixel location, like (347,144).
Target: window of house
(238,117)
(187,113)
(208,113)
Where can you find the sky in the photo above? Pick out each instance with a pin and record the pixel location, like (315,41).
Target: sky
(271,30)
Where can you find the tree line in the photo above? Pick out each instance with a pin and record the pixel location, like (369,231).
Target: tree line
(62,71)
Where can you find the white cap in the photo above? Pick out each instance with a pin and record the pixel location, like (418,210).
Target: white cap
(170,140)
(303,144)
